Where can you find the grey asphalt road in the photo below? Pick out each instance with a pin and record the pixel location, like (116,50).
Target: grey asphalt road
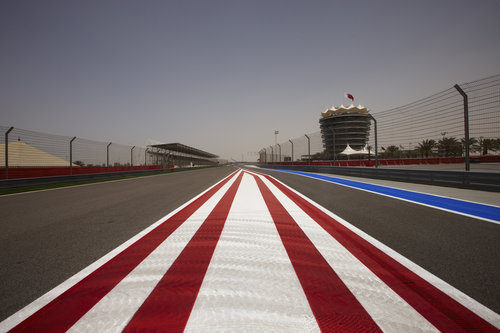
(49,236)
(461,250)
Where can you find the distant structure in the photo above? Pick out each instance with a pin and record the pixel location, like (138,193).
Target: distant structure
(179,155)
(345,125)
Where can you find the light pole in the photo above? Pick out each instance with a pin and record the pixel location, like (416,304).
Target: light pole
(292,148)
(272,153)
(276,132)
(279,160)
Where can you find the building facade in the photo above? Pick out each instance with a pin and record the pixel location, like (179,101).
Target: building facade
(345,125)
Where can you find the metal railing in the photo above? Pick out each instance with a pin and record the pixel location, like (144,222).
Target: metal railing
(438,125)
(27,154)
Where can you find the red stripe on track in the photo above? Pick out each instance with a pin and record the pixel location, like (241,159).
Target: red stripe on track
(438,308)
(65,310)
(333,304)
(169,305)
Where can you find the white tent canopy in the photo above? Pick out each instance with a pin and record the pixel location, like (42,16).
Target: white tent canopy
(349,151)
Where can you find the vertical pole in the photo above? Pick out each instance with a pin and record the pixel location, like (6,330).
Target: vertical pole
(7,152)
(333,138)
(376,141)
(145,157)
(308,147)
(279,159)
(292,148)
(132,156)
(265,156)
(272,153)
(107,157)
(71,155)
(466,126)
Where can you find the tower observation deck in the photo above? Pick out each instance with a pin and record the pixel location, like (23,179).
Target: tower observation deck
(349,124)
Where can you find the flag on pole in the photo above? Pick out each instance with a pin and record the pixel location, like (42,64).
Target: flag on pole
(383,148)
(351,97)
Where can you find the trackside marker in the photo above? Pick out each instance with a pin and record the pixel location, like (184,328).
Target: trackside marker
(62,312)
(389,311)
(438,308)
(168,307)
(250,284)
(114,310)
(333,305)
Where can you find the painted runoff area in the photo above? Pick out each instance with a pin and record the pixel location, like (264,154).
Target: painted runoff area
(480,211)
(252,254)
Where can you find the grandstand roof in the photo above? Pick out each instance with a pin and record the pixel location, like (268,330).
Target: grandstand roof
(179,147)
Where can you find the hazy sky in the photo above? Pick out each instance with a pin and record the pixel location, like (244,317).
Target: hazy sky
(223,75)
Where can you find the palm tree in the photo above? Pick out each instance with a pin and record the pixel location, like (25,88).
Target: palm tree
(392,151)
(425,147)
(489,144)
(473,144)
(451,146)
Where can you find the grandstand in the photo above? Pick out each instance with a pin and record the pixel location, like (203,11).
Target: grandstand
(179,155)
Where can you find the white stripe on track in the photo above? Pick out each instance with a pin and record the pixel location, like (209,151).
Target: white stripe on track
(388,309)
(114,311)
(467,301)
(43,300)
(250,284)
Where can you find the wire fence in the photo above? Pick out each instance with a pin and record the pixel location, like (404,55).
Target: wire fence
(430,127)
(27,153)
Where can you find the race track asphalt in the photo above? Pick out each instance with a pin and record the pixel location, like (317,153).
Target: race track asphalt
(49,236)
(461,250)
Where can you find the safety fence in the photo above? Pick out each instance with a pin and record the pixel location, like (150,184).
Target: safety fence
(431,127)
(27,154)
(396,162)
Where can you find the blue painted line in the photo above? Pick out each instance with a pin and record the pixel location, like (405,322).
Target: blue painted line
(465,207)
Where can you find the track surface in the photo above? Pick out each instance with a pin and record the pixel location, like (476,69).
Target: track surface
(48,236)
(46,244)
(461,250)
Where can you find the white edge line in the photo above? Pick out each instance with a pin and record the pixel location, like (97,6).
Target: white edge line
(43,300)
(391,187)
(403,189)
(96,183)
(462,298)
(412,201)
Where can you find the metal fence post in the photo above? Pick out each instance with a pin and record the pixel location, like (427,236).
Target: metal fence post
(466,125)
(71,155)
(376,141)
(7,152)
(132,157)
(272,153)
(107,156)
(279,159)
(292,148)
(145,157)
(308,147)
(333,138)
